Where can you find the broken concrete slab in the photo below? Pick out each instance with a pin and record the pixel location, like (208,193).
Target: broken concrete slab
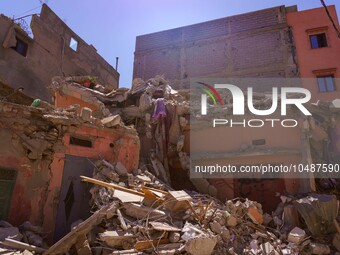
(5,224)
(319,212)
(10,232)
(335,104)
(231,221)
(112,121)
(296,235)
(268,248)
(117,238)
(121,169)
(174,237)
(201,245)
(142,212)
(178,201)
(215,227)
(86,114)
(319,249)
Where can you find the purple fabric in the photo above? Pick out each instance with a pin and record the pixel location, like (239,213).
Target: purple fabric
(160,110)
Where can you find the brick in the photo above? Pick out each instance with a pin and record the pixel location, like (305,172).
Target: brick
(251,45)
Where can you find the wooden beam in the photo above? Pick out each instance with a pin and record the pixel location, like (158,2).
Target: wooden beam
(21,246)
(65,243)
(110,185)
(149,188)
(143,245)
(121,219)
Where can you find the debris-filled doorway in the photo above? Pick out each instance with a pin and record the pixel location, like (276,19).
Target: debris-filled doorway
(7,181)
(74,195)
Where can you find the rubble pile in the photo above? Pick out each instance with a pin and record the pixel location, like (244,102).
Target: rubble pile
(31,236)
(236,227)
(137,214)
(159,114)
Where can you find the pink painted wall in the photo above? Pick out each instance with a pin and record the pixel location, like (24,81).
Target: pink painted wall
(230,140)
(125,149)
(66,100)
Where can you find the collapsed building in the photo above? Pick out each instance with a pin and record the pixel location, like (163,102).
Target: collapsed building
(29,61)
(45,149)
(125,155)
(132,145)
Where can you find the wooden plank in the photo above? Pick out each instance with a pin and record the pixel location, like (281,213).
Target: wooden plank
(21,246)
(110,185)
(127,252)
(142,212)
(82,246)
(121,219)
(143,245)
(65,243)
(163,226)
(149,188)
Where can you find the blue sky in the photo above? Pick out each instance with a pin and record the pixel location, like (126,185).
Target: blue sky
(111,26)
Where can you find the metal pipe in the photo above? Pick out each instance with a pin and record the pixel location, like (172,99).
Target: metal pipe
(117,58)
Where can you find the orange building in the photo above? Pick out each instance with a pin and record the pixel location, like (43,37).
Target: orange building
(318,50)
(44,152)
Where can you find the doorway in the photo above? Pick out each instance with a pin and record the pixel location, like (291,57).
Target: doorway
(74,194)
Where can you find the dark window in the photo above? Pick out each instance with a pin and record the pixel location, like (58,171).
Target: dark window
(326,83)
(21,47)
(259,142)
(318,40)
(80,142)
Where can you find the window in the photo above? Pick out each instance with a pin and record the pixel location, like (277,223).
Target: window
(326,83)
(318,40)
(259,142)
(80,142)
(21,47)
(73,44)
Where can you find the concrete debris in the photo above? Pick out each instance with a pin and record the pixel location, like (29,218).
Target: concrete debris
(231,221)
(86,114)
(319,212)
(165,221)
(336,241)
(27,237)
(215,227)
(319,249)
(111,121)
(116,239)
(297,235)
(201,246)
(136,210)
(10,232)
